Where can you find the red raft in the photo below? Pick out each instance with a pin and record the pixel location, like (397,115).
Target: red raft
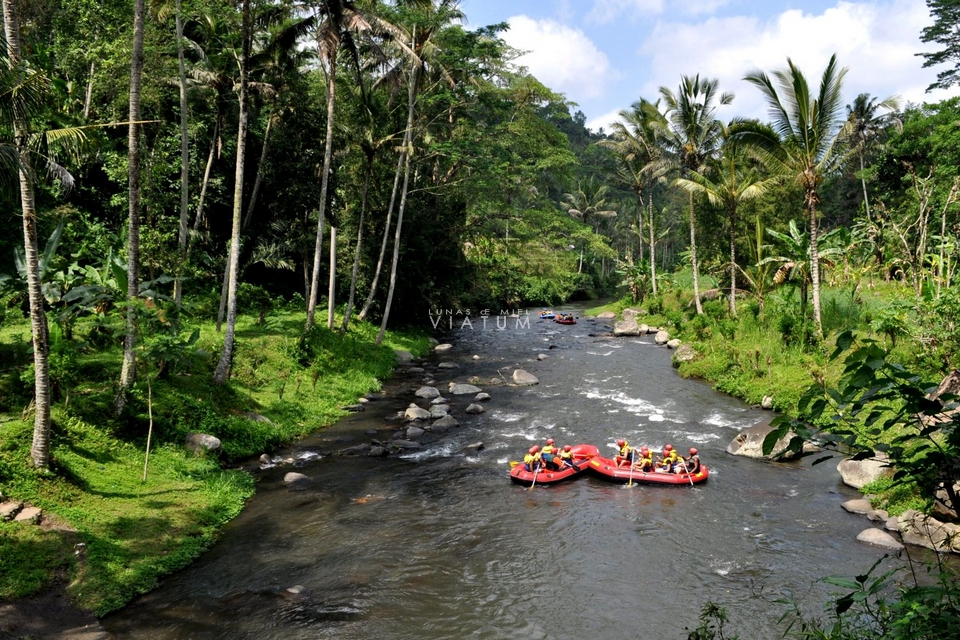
(582,454)
(607,468)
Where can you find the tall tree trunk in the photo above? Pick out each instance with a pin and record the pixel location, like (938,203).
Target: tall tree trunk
(653,255)
(640,206)
(331,287)
(814,263)
(184,160)
(408,152)
(222,372)
(693,260)
(40,448)
(324,184)
(204,184)
(259,179)
(733,261)
(88,96)
(357,250)
(386,238)
(129,369)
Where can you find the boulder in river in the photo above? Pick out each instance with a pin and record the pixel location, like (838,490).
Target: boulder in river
(481,397)
(427,393)
(296,481)
(459,389)
(403,356)
(626,328)
(414,412)
(474,408)
(662,337)
(447,422)
(858,473)
(443,348)
(749,443)
(524,378)
(202,442)
(880,538)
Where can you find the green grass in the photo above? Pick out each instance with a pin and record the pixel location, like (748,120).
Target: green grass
(135,532)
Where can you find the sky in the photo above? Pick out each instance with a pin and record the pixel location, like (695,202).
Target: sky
(605,54)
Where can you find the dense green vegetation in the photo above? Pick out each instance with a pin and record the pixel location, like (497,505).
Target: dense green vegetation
(172,175)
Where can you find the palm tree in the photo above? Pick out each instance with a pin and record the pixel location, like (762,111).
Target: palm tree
(22,85)
(732,179)
(419,48)
(340,18)
(634,140)
(864,126)
(796,259)
(129,370)
(693,134)
(222,371)
(805,147)
(588,204)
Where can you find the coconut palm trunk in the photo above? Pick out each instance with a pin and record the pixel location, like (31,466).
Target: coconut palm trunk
(40,449)
(653,255)
(324,185)
(358,249)
(407,151)
(386,239)
(693,260)
(222,372)
(129,368)
(184,160)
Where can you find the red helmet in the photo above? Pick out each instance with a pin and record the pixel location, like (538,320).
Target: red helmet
(693,451)
(621,442)
(550,441)
(667,447)
(566,447)
(534,449)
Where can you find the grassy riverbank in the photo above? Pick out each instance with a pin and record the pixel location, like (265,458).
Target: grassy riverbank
(133,532)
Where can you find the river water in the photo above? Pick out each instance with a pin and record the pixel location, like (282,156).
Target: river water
(438,543)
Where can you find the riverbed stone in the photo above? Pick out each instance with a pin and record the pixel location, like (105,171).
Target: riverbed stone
(483,396)
(859,506)
(414,432)
(858,473)
(495,382)
(354,408)
(880,538)
(377,451)
(416,370)
(606,315)
(674,343)
(443,348)
(9,509)
(296,481)
(662,337)
(405,444)
(202,442)
(474,446)
(749,443)
(474,408)
(919,529)
(460,389)
(439,411)
(542,356)
(403,356)
(524,378)
(414,412)
(447,422)
(439,400)
(448,365)
(684,353)
(626,328)
(428,393)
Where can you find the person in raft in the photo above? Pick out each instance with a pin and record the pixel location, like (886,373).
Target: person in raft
(532,460)
(566,456)
(549,455)
(626,455)
(645,463)
(691,464)
(669,458)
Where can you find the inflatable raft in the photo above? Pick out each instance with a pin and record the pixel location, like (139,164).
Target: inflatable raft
(608,469)
(582,454)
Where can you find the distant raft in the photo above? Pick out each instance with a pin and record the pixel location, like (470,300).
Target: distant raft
(565,318)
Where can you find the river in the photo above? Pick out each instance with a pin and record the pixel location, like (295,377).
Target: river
(438,543)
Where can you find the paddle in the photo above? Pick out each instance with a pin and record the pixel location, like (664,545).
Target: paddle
(683,463)
(514,463)
(630,459)
(535,472)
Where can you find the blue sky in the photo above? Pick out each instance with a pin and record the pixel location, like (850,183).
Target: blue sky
(605,54)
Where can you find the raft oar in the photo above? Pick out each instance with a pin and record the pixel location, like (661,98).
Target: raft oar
(535,472)
(630,458)
(683,463)
(514,463)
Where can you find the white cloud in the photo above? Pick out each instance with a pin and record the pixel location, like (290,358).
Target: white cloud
(561,57)
(604,121)
(876,41)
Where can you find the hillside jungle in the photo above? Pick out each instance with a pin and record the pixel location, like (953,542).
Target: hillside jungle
(226,218)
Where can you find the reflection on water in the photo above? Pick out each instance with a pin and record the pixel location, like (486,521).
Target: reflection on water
(438,543)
